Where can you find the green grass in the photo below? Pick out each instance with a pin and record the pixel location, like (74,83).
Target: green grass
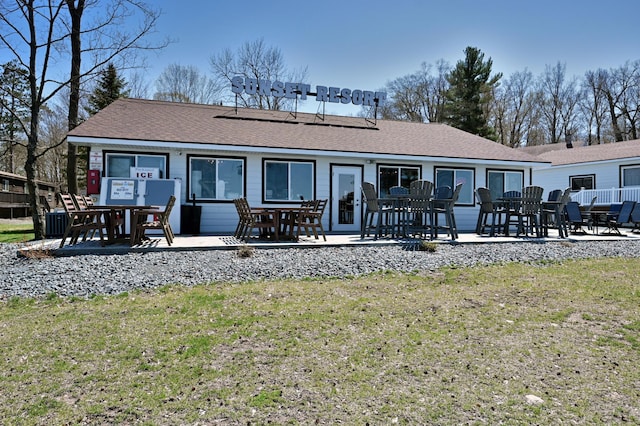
(458,346)
(16,232)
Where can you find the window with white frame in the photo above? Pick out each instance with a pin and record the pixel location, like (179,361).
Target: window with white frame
(452,177)
(212,178)
(501,181)
(288,180)
(630,176)
(389,176)
(582,182)
(119,164)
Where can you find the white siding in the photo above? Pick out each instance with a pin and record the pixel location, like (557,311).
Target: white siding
(221,217)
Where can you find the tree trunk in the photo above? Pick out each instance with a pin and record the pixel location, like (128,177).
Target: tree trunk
(32,189)
(74,94)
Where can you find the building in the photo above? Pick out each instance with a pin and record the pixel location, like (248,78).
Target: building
(609,171)
(219,153)
(14,200)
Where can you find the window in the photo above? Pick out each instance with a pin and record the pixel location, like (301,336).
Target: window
(630,176)
(213,178)
(288,180)
(389,176)
(452,177)
(5,185)
(582,182)
(501,181)
(119,164)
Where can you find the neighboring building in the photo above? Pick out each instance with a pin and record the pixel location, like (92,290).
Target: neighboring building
(14,202)
(610,171)
(278,157)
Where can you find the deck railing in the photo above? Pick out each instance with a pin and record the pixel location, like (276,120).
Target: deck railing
(607,196)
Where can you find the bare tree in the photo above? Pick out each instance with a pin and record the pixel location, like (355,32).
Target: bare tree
(103,40)
(138,86)
(37,34)
(185,83)
(419,96)
(628,81)
(594,105)
(558,99)
(513,110)
(256,61)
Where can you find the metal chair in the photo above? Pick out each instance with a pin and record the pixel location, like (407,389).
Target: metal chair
(623,217)
(575,219)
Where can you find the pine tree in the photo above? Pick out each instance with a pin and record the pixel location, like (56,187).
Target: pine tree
(14,109)
(471,88)
(109,88)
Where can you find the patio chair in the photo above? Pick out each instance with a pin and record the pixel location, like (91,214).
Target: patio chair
(374,208)
(444,200)
(554,195)
(81,222)
(575,219)
(421,189)
(590,206)
(266,221)
(420,214)
(398,190)
(488,207)
(312,220)
(160,220)
(528,211)
(553,213)
(624,216)
(635,218)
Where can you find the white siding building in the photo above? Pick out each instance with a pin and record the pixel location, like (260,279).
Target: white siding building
(278,157)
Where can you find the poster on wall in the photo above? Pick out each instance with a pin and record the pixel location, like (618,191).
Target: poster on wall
(95,160)
(122,189)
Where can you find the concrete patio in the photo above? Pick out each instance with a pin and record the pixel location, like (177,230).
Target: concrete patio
(227,242)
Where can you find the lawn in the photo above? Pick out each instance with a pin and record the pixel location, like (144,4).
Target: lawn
(474,346)
(16,231)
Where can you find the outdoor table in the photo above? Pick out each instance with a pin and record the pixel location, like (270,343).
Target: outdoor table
(115,215)
(285,217)
(399,208)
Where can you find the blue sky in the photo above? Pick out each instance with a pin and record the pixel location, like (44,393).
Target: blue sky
(365,44)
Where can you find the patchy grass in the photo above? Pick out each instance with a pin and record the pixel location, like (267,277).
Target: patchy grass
(460,346)
(16,232)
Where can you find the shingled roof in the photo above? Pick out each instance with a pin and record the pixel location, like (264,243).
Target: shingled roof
(158,121)
(559,154)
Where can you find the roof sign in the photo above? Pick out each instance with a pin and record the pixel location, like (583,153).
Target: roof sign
(278,89)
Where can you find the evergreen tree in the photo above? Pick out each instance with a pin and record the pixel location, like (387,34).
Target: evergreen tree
(109,88)
(469,95)
(14,112)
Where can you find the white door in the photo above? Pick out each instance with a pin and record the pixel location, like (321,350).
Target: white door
(346,198)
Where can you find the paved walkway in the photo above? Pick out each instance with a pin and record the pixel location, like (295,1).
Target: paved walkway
(221,242)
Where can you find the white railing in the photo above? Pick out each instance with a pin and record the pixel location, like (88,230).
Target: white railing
(607,196)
